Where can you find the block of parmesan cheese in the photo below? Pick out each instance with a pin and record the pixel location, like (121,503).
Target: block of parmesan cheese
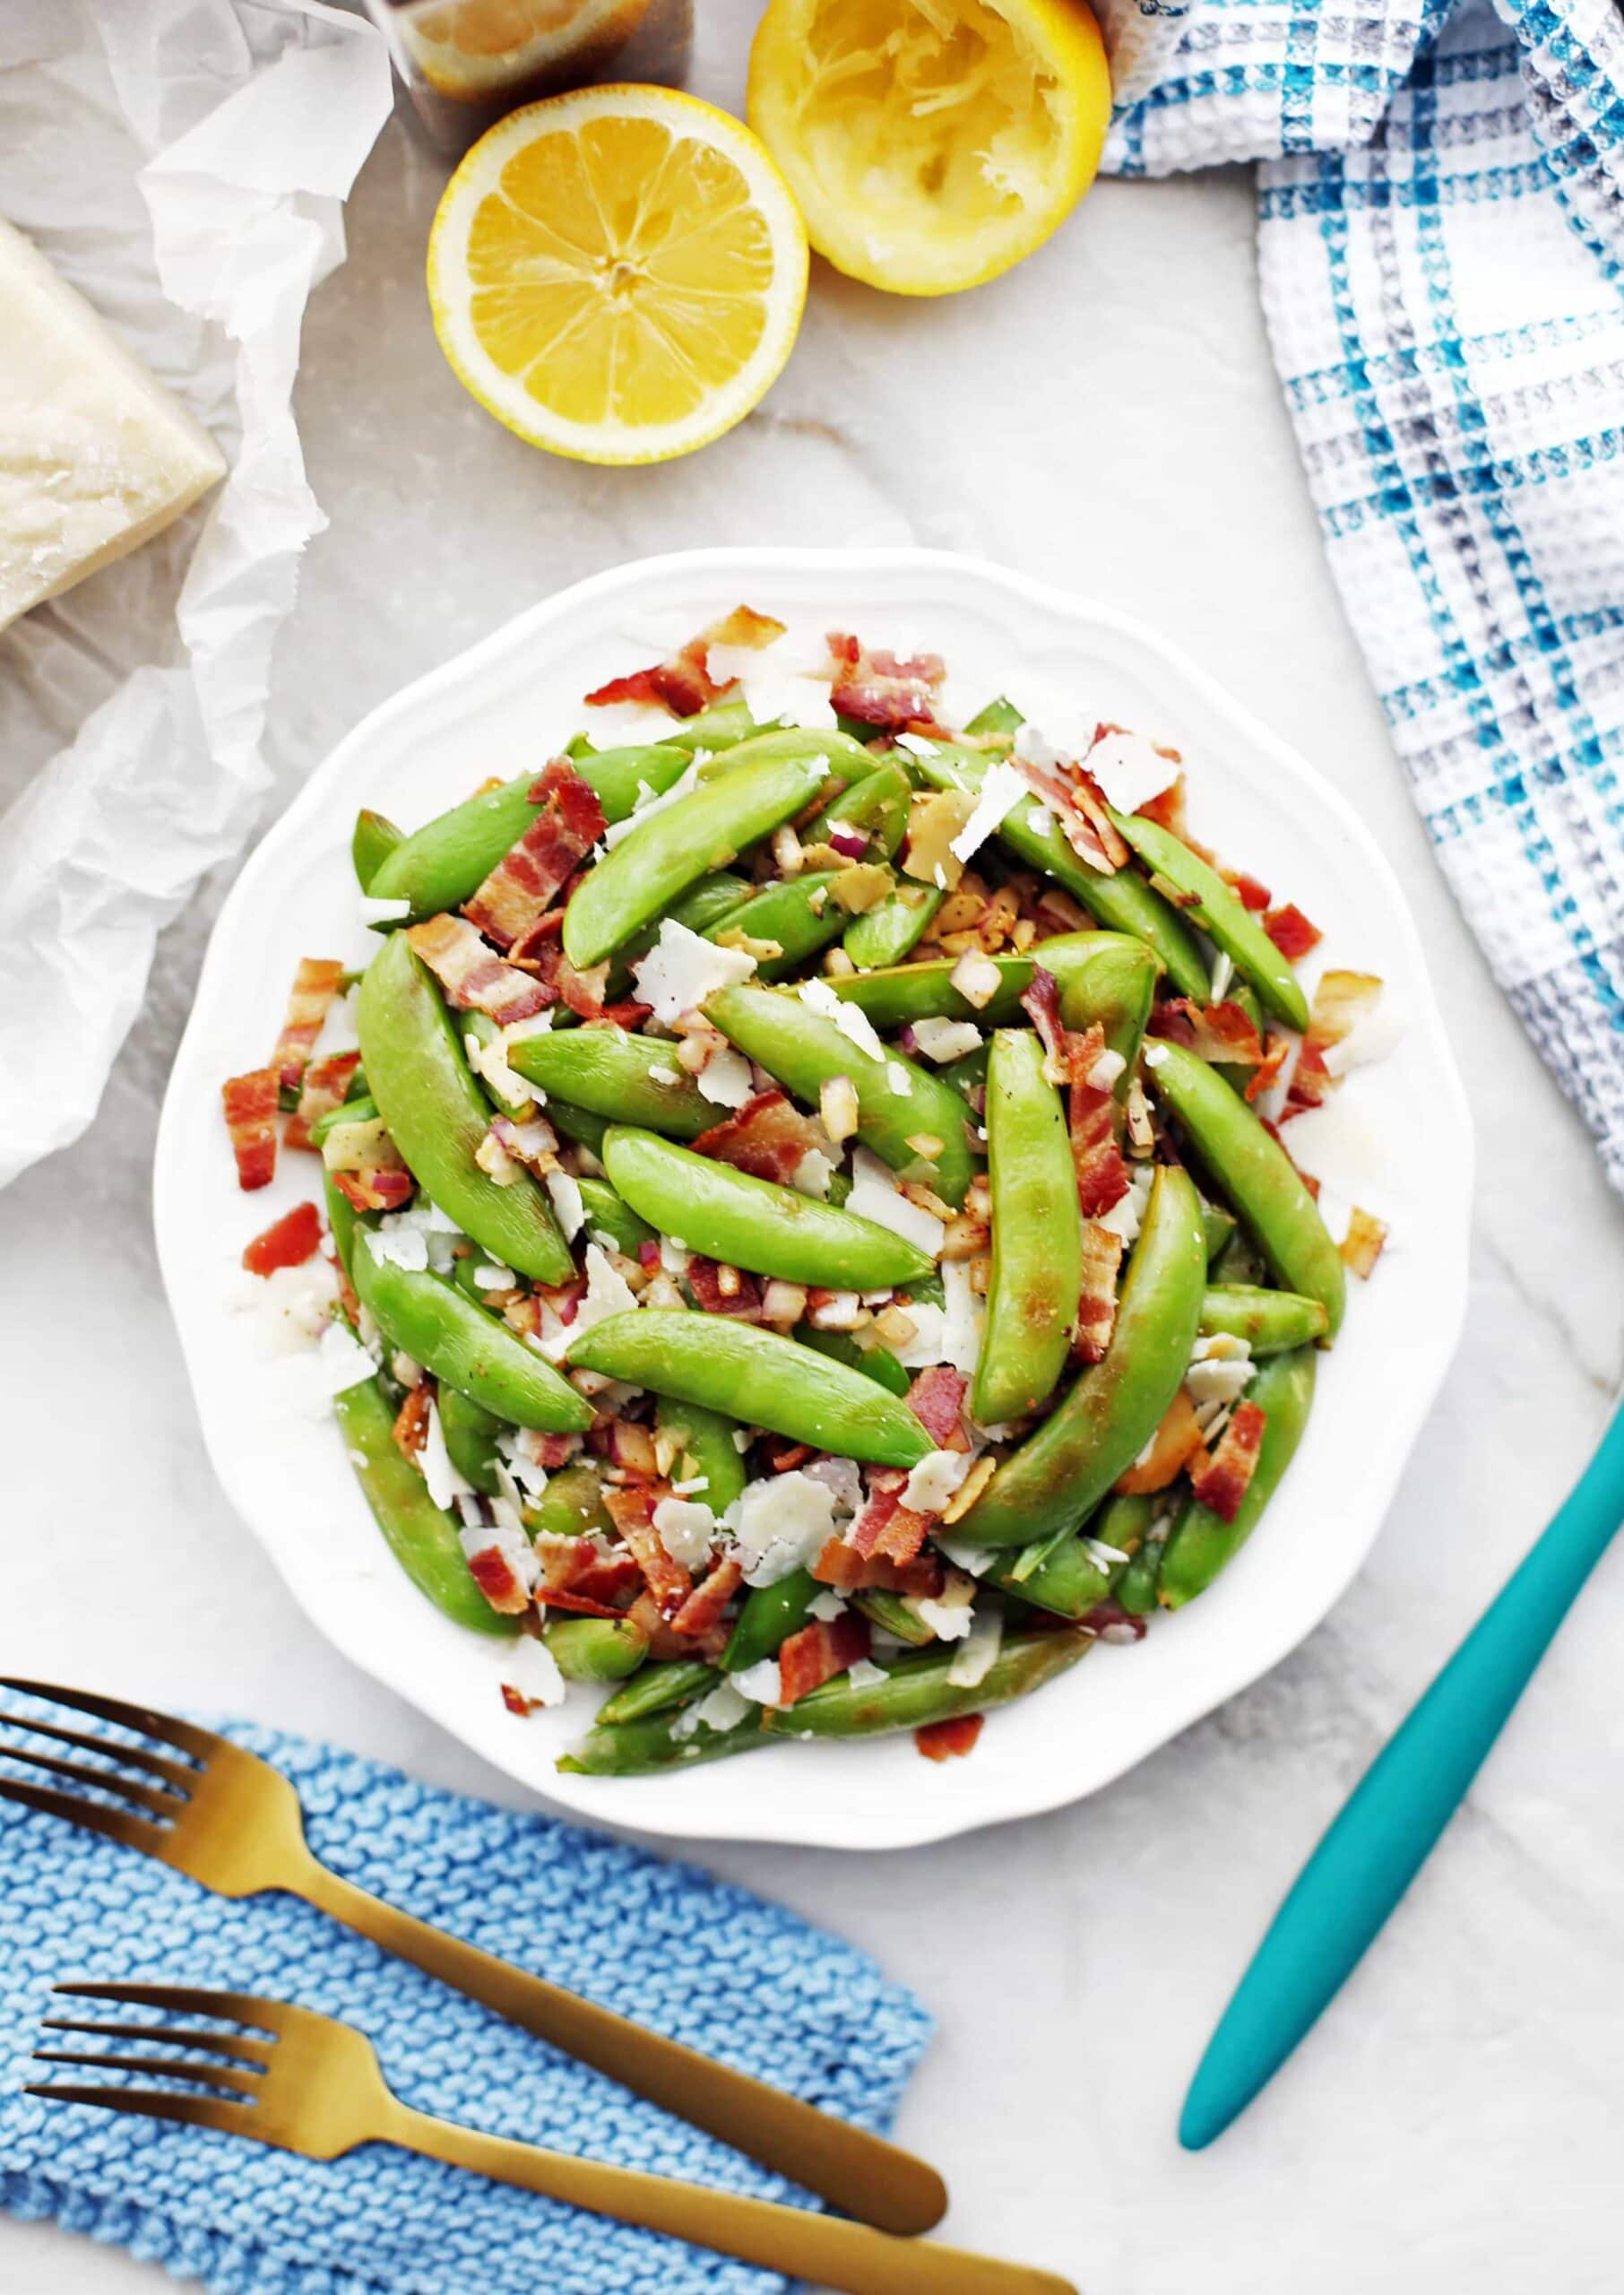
(95,455)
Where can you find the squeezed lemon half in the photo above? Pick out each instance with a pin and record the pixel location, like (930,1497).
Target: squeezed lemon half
(931,143)
(617,274)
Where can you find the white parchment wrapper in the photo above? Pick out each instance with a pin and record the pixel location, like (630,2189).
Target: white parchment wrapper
(183,164)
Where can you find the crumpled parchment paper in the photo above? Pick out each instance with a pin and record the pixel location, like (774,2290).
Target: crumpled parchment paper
(183,164)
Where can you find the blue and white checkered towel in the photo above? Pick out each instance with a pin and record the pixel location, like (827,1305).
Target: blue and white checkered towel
(1442,253)
(688,1954)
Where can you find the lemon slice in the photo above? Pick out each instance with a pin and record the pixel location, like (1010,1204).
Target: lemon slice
(467,48)
(617,274)
(931,143)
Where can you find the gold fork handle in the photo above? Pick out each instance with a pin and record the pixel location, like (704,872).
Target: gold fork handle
(853,2170)
(820,2247)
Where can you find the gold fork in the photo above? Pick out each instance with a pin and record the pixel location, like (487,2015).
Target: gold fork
(233,1824)
(311,2085)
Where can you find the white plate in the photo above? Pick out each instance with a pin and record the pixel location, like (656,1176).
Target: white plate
(1398,1141)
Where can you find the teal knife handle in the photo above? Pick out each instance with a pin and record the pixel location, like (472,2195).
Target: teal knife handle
(1386,1830)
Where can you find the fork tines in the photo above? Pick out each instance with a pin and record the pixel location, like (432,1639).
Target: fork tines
(213,2091)
(155,1794)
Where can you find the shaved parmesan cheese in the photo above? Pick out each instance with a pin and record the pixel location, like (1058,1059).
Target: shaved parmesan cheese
(520,1447)
(1125,1216)
(1131,770)
(513,1546)
(445,1482)
(896,1076)
(725,1078)
(875,1195)
(864,1674)
(945,1040)
(827,1607)
(567,1203)
(607,1294)
(686,1529)
(380,909)
(978,1653)
(811,1175)
(723,1708)
(1001,791)
(961,1331)
(342,1361)
(763,1684)
(649,803)
(975,1559)
(856,1027)
(976,977)
(934,1480)
(1219,1369)
(681,970)
(779,1526)
(530,1672)
(951,1615)
(406,1248)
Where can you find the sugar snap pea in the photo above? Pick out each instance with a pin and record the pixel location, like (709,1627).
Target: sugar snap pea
(1123,902)
(798,912)
(571,1506)
(770,1615)
(362,1110)
(709,1453)
(1249,1167)
(641,1748)
(661,856)
(1220,1229)
(663,1687)
(1079,1575)
(1136,1588)
(999,716)
(580,1125)
(893,1616)
(886,934)
(756,1224)
(876,803)
(1202,1542)
(437,1115)
(423,1538)
(841,758)
(626,1079)
(1270,1322)
(445,863)
(916,1691)
(1036,1233)
(1044,1489)
(1220,913)
(606,1215)
(595,1648)
(876,1363)
(470,1433)
(762,1378)
(720,727)
(805,1050)
(375,839)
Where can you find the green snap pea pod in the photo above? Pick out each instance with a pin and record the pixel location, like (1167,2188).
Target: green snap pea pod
(885,935)
(470,1433)
(664,1687)
(626,1079)
(1202,1542)
(1044,1489)
(607,1215)
(999,716)
(439,1326)
(571,1506)
(358,1089)
(1253,1171)
(661,857)
(917,1690)
(770,1615)
(437,1116)
(722,727)
(1239,1262)
(1220,1228)
(362,1110)
(596,1649)
(876,1363)
(1123,902)
(707,1439)
(1104,976)
(799,914)
(761,1379)
(375,839)
(641,1748)
(1272,1321)
(893,1616)
(485,1031)
(579,1124)
(746,1222)
(425,1540)
(1078,1577)
(970,1074)
(877,803)
(845,759)
(1235,1073)
(1220,913)
(1037,1235)
(1136,1588)
(805,1050)
(447,860)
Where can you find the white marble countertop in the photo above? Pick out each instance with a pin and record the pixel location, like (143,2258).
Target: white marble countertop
(1107,418)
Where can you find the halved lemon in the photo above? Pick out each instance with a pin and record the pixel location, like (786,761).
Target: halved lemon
(617,274)
(472,48)
(931,143)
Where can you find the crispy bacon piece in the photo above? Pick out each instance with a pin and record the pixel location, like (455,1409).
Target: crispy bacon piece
(1102,1172)
(1166,808)
(250,1103)
(288,1242)
(1360,1247)
(1169,1451)
(787,1457)
(950,1740)
(1097,1305)
(524,882)
(1248,891)
(841,1566)
(768,1138)
(325,1083)
(1223,1032)
(474,978)
(570,1598)
(886,1529)
(631,1508)
(376,1190)
(607,1578)
(1078,803)
(1290,932)
(558,981)
(410,1428)
(1268,1067)
(316,983)
(684,684)
(877,690)
(705,1606)
(499,1582)
(1220,1480)
(937,1399)
(1341,1001)
(819,1651)
(723,1290)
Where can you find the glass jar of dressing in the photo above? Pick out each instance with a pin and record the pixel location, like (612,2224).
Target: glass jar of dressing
(464,63)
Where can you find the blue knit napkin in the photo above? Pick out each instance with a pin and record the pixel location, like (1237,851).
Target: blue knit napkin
(1441,247)
(663,1942)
